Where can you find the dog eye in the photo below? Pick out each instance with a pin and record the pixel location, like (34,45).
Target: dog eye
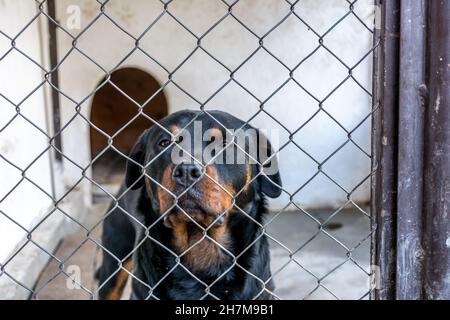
(164,143)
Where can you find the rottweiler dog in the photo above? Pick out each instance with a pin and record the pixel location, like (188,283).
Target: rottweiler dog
(192,229)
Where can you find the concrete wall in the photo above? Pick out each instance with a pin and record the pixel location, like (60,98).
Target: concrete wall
(20,142)
(24,152)
(170,44)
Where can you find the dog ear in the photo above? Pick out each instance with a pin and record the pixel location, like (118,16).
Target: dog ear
(134,177)
(269,179)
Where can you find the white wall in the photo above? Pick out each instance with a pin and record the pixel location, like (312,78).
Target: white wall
(25,146)
(20,142)
(169,43)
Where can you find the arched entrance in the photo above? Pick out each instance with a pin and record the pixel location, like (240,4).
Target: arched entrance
(112,110)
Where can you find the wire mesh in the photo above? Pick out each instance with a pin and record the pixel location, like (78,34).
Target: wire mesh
(57,200)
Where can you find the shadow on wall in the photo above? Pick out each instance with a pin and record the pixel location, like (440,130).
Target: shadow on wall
(114,113)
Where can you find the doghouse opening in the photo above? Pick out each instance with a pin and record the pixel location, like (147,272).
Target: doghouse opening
(114,113)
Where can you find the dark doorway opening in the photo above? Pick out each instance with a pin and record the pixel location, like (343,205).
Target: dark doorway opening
(111,112)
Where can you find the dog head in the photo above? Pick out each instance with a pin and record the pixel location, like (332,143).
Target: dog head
(198,168)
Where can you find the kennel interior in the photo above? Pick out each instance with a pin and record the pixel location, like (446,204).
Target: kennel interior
(73,75)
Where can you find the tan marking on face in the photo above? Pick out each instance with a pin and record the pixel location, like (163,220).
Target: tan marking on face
(204,253)
(215,201)
(180,235)
(174,129)
(218,195)
(248,178)
(121,280)
(217,133)
(166,200)
(207,254)
(248,174)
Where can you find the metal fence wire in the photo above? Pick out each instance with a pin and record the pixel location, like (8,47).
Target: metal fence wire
(57,151)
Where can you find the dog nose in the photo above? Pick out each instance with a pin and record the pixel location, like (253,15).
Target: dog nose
(185,173)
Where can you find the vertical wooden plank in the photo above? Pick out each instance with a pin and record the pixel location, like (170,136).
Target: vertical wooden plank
(437,156)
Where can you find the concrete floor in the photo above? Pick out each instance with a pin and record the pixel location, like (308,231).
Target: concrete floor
(295,277)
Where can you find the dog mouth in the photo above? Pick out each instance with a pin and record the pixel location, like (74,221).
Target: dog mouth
(190,211)
(190,206)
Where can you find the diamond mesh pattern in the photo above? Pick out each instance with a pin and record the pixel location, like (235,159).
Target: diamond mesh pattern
(202,47)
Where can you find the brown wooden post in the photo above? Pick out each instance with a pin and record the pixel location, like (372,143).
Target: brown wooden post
(437,155)
(411,143)
(384,205)
(54,78)
(412,103)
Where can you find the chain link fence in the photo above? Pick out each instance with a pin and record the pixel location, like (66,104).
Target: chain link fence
(52,129)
